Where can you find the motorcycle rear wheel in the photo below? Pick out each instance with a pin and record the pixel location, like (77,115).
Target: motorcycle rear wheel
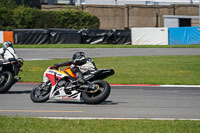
(99,95)
(40,93)
(6,81)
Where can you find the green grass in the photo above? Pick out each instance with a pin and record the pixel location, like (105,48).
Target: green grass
(103,46)
(36,125)
(128,70)
(132,70)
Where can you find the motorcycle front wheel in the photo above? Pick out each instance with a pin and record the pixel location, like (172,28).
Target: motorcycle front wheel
(41,93)
(6,81)
(98,95)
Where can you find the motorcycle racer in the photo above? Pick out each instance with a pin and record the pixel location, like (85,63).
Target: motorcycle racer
(79,65)
(63,84)
(7,51)
(9,67)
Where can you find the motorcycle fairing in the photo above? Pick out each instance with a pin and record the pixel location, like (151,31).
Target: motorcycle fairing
(74,96)
(54,76)
(101,74)
(69,72)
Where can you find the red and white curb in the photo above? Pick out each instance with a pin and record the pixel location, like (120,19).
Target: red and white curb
(133,85)
(152,85)
(180,86)
(142,85)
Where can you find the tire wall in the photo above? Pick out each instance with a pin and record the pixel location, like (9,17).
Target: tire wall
(70,36)
(6,36)
(135,36)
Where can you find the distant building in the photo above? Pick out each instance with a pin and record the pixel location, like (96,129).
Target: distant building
(52,2)
(120,2)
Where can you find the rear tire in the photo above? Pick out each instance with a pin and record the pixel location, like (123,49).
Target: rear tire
(40,93)
(100,95)
(6,81)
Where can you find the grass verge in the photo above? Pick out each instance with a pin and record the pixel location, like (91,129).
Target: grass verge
(133,69)
(36,125)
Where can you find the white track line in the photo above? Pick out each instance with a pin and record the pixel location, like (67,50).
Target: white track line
(149,85)
(180,86)
(98,118)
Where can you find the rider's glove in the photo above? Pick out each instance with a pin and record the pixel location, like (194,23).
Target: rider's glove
(56,66)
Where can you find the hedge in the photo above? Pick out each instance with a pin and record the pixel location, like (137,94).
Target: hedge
(26,17)
(6,22)
(8,3)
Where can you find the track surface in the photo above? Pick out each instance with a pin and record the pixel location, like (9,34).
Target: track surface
(124,102)
(53,53)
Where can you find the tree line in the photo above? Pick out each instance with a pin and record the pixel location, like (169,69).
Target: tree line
(13,16)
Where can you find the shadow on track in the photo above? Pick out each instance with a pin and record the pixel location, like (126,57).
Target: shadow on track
(75,102)
(19,92)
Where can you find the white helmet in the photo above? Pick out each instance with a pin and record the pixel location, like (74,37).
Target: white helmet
(7,44)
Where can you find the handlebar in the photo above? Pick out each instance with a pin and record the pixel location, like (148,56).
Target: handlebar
(51,67)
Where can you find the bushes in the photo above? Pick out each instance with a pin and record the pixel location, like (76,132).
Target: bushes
(8,3)
(46,19)
(73,19)
(6,21)
(25,17)
(70,19)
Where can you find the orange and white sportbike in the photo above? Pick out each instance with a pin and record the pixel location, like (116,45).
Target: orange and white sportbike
(61,85)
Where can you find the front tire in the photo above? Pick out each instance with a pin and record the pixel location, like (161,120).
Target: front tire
(6,81)
(41,93)
(98,95)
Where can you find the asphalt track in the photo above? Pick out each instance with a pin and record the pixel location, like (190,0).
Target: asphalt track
(54,53)
(124,102)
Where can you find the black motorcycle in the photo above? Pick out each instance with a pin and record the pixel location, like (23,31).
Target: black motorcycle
(9,69)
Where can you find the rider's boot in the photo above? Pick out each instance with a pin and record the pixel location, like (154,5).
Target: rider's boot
(79,81)
(16,80)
